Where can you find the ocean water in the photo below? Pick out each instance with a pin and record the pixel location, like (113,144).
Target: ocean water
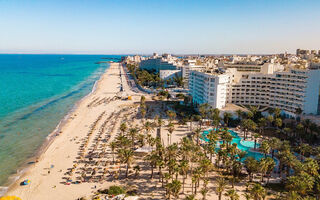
(36,92)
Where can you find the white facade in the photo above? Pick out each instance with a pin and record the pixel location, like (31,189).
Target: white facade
(312,92)
(208,88)
(285,90)
(157,64)
(169,74)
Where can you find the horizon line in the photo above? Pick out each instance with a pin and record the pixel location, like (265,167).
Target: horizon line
(132,54)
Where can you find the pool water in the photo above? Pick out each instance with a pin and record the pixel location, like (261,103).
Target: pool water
(243,145)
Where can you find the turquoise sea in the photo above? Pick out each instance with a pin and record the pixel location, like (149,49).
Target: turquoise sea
(36,92)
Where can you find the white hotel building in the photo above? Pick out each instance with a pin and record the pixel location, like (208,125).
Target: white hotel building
(288,90)
(209,88)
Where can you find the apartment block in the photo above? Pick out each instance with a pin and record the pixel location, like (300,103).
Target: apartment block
(287,90)
(209,88)
(157,64)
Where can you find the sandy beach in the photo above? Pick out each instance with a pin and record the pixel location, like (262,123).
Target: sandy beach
(46,174)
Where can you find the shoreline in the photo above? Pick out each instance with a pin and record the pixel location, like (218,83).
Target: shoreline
(29,162)
(48,175)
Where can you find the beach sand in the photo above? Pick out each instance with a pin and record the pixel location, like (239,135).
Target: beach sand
(46,174)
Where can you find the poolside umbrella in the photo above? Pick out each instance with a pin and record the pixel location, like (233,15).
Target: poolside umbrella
(10,198)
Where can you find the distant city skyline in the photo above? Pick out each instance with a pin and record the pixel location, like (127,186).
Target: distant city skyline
(144,27)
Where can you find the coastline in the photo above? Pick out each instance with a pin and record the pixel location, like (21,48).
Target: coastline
(25,167)
(47,176)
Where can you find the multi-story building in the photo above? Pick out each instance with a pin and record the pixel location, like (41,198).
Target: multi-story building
(242,67)
(208,88)
(157,64)
(287,90)
(185,72)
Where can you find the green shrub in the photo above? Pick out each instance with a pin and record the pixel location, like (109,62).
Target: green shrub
(115,190)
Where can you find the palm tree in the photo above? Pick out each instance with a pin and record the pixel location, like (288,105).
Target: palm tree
(274,144)
(123,142)
(278,122)
(265,148)
(159,122)
(212,143)
(148,126)
(197,173)
(171,114)
(221,186)
(160,163)
(113,145)
(170,130)
(248,124)
(257,191)
(175,187)
(250,115)
(226,118)
(205,166)
(242,154)
(197,133)
(203,109)
(123,128)
(292,195)
(251,166)
(142,100)
(190,197)
(186,147)
(277,112)
(270,167)
(270,119)
(266,165)
(311,166)
(127,158)
(262,122)
(301,183)
(226,137)
(239,114)
(313,128)
(256,137)
(215,117)
(141,140)
(205,190)
(143,113)
(232,194)
(152,158)
(253,110)
(298,112)
(179,80)
(247,196)
(172,151)
(133,132)
(137,170)
(184,167)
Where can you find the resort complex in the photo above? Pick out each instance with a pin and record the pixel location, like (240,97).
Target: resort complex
(287,82)
(160,100)
(187,127)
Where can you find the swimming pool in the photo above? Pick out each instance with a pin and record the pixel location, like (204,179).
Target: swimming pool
(243,145)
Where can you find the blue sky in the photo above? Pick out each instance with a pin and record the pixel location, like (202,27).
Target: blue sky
(173,26)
